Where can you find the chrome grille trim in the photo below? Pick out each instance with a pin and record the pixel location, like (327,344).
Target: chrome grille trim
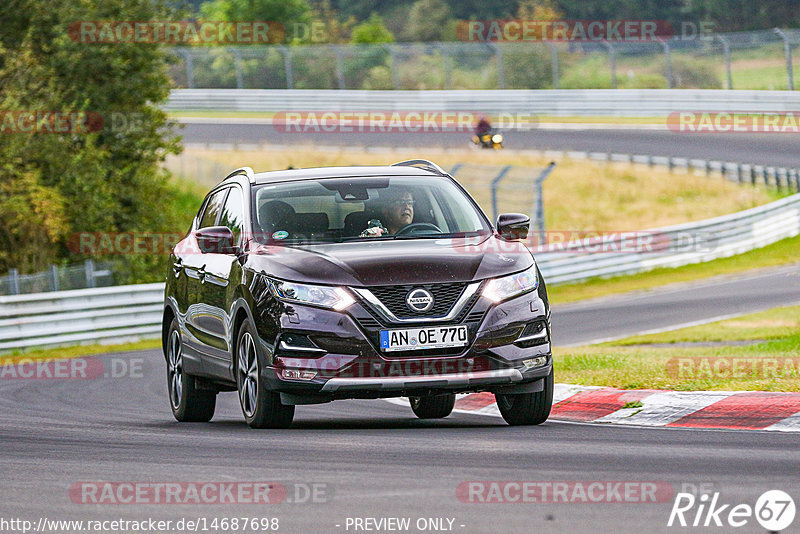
(387,315)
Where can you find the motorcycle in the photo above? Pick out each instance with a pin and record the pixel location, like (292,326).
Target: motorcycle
(491,139)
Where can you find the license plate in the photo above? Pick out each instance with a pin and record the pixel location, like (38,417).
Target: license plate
(432,337)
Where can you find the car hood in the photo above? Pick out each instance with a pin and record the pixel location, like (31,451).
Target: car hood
(406,261)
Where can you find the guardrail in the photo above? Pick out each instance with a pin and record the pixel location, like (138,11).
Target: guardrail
(68,317)
(80,315)
(564,102)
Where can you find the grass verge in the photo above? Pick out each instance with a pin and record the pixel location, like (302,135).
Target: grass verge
(771,363)
(79,351)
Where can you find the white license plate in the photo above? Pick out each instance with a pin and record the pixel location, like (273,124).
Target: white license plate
(432,337)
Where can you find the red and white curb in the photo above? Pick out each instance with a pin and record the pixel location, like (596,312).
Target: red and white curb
(735,410)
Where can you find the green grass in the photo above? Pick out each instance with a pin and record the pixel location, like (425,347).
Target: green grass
(771,365)
(781,253)
(78,351)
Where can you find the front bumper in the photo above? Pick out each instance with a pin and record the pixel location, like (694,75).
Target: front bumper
(344,361)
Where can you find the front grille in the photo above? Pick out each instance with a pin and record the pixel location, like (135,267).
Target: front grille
(394,298)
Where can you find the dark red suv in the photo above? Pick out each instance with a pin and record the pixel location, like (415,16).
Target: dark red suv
(307,286)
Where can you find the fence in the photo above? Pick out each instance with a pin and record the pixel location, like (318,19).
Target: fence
(57,278)
(66,317)
(712,61)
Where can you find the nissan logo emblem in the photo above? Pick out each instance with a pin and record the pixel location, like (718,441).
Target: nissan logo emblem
(419,300)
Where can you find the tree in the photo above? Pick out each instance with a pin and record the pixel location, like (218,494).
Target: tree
(108,177)
(372,31)
(428,21)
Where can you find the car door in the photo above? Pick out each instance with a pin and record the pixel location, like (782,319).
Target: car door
(199,322)
(222,271)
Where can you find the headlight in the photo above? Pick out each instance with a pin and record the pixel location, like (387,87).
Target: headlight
(500,289)
(336,298)
(497,138)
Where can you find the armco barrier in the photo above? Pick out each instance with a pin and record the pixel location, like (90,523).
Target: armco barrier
(558,102)
(80,316)
(83,315)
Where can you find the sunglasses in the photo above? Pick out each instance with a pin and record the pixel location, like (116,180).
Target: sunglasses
(400,202)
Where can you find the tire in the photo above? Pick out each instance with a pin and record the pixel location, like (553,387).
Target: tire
(261,408)
(433,406)
(189,402)
(527,408)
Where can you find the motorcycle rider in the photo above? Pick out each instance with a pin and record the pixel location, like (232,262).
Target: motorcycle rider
(483,126)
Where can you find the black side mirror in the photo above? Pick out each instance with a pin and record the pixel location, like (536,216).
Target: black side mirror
(513,225)
(216,240)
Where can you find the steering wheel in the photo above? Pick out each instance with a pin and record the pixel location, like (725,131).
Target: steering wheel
(413,227)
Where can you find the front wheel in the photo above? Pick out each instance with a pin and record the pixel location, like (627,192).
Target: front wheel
(433,406)
(261,408)
(527,408)
(188,400)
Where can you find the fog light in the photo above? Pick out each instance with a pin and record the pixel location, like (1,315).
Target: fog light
(296,374)
(534,362)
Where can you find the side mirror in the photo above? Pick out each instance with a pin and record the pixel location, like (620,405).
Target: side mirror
(216,240)
(513,225)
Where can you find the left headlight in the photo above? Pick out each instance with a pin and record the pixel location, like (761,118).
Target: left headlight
(335,298)
(497,138)
(500,289)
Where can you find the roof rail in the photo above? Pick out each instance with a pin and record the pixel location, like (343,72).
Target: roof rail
(247,171)
(424,163)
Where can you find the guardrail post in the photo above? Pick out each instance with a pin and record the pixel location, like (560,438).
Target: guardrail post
(237,65)
(54,278)
(667,63)
(287,65)
(726,50)
(393,66)
(339,67)
(495,184)
(612,61)
(787,50)
(539,209)
(448,82)
(89,268)
(554,62)
(501,73)
(189,60)
(13,281)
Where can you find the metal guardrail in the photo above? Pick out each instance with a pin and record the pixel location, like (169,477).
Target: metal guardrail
(80,315)
(69,317)
(566,102)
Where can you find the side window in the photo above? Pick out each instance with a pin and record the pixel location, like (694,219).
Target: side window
(212,208)
(233,213)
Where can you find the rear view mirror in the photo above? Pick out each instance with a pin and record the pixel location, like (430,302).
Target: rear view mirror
(513,225)
(216,240)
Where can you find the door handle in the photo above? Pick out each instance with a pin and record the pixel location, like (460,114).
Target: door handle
(177,266)
(201,272)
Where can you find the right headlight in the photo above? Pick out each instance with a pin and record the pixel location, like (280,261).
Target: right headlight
(336,298)
(506,287)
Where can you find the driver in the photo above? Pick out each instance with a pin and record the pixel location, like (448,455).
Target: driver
(397,212)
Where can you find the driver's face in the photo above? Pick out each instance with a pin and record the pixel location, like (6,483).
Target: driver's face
(400,212)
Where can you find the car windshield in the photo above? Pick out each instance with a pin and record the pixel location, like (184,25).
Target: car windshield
(333,210)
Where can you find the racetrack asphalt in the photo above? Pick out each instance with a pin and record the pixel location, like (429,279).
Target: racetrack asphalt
(374,458)
(750,148)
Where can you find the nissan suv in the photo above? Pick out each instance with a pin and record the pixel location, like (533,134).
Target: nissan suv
(307,286)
